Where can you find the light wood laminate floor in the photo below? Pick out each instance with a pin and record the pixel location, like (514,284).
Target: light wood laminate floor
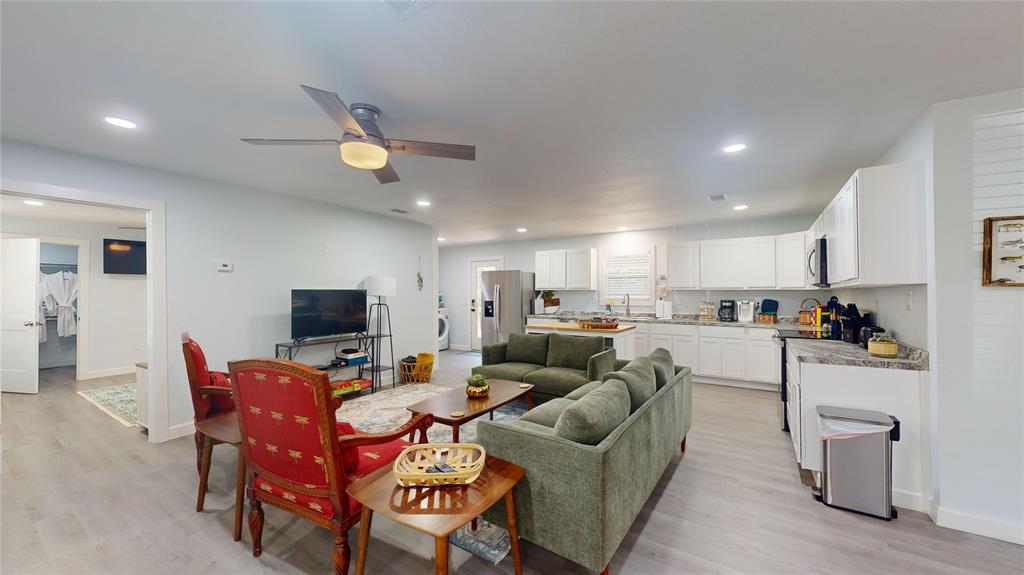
(83,494)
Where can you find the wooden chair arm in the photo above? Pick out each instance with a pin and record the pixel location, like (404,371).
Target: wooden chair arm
(215,390)
(420,421)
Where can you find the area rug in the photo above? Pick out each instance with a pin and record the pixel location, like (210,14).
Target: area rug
(117,401)
(385,410)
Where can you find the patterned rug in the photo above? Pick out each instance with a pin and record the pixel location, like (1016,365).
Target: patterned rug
(385,410)
(117,401)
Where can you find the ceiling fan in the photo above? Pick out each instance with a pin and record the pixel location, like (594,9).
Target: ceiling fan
(363,145)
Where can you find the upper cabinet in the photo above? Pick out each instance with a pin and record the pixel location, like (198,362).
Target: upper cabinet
(722,264)
(683,261)
(790,252)
(566,269)
(759,262)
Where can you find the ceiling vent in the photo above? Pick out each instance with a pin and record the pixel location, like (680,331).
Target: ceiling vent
(398,211)
(713,198)
(407,8)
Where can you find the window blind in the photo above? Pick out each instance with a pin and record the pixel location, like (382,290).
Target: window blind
(629,272)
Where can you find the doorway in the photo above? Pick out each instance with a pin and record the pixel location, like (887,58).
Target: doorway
(477,266)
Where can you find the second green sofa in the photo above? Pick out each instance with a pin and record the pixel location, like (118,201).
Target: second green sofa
(555,364)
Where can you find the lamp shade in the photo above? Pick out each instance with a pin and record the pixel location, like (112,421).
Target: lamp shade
(380,286)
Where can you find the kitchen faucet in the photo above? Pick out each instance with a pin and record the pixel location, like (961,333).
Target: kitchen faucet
(626,301)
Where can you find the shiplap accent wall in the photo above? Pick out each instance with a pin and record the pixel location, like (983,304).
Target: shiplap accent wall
(998,191)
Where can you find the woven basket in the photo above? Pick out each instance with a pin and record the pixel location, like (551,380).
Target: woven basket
(410,468)
(592,324)
(418,371)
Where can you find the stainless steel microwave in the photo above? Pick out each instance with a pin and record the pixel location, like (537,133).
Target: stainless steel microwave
(817,262)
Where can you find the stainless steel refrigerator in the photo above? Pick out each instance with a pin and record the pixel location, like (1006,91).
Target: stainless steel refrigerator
(507,300)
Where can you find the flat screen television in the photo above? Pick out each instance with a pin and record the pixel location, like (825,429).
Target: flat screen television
(324,312)
(124,257)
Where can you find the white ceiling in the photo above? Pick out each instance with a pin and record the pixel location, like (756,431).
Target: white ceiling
(586,116)
(11,205)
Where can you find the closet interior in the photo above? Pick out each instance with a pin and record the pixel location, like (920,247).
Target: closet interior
(58,305)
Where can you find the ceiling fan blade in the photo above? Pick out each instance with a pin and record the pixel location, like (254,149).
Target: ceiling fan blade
(265,142)
(387,174)
(330,102)
(435,149)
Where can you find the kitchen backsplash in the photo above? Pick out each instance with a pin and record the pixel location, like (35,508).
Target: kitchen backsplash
(687,301)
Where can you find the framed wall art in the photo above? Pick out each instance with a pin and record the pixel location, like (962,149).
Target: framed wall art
(1003,252)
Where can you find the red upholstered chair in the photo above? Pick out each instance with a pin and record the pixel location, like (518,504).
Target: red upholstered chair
(295,457)
(216,421)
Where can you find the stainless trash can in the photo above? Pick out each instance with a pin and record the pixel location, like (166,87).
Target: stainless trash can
(857,459)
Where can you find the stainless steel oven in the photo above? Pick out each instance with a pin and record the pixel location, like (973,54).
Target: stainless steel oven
(780,338)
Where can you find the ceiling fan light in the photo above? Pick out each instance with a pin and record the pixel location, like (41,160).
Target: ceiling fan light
(363,155)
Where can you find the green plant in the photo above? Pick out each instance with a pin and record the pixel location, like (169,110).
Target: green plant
(547,295)
(476,380)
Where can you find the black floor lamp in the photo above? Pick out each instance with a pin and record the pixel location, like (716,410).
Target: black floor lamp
(379,318)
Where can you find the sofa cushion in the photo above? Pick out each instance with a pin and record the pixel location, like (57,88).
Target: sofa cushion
(527,348)
(572,351)
(558,381)
(581,391)
(510,371)
(664,369)
(638,376)
(592,417)
(547,413)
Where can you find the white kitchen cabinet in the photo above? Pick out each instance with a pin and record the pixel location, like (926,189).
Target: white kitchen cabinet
(763,361)
(581,269)
(790,251)
(542,270)
(685,351)
(734,359)
(721,264)
(558,269)
(642,346)
(683,262)
(709,356)
(662,341)
(759,262)
(842,234)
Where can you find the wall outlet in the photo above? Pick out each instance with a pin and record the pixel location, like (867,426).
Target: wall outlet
(909,297)
(225,266)
(328,248)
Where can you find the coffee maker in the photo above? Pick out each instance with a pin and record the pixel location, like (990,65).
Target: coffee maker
(727,310)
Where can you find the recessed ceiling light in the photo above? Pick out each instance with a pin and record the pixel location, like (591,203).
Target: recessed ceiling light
(521,230)
(623,229)
(733,148)
(119,122)
(740,207)
(32,203)
(423,203)
(440,239)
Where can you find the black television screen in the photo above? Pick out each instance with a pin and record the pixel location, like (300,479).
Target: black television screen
(322,312)
(124,257)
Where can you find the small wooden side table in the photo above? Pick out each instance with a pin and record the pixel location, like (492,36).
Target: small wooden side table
(438,511)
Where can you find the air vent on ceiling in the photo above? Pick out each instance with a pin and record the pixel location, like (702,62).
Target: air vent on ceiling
(716,198)
(398,211)
(407,8)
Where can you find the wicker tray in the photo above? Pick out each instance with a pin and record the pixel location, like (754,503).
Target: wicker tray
(591,324)
(410,468)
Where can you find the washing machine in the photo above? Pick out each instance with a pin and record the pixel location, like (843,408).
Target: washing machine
(442,328)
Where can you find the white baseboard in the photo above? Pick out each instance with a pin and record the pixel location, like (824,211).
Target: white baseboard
(181,430)
(979,525)
(774,387)
(98,373)
(909,500)
(458,347)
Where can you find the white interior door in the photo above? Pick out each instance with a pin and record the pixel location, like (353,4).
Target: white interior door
(19,315)
(476,268)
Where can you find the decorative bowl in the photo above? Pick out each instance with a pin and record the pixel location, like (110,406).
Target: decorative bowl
(478,391)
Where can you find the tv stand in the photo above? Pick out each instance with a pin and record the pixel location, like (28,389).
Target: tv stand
(290,349)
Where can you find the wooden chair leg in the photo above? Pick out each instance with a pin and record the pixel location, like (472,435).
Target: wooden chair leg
(682,446)
(239,495)
(204,471)
(198,438)
(342,552)
(256,525)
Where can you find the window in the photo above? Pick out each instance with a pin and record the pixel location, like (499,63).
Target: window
(628,271)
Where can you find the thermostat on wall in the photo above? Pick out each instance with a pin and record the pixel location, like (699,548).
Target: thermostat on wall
(225,267)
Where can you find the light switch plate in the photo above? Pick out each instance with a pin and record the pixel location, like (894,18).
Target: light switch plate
(328,248)
(909,295)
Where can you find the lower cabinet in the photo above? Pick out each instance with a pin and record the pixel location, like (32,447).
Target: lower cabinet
(734,359)
(710,357)
(684,351)
(763,361)
(642,347)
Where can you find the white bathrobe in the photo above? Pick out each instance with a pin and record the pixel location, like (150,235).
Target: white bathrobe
(61,299)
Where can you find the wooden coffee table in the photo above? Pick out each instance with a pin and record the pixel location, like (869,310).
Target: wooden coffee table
(437,511)
(442,405)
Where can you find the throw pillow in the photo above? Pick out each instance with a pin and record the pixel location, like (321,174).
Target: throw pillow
(664,369)
(527,348)
(573,351)
(594,416)
(639,378)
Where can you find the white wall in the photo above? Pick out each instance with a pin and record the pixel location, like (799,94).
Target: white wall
(117,303)
(275,243)
(976,335)
(519,255)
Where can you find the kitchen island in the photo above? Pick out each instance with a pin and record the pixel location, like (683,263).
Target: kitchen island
(621,337)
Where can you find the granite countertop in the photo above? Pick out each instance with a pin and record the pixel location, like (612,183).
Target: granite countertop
(832,352)
(679,319)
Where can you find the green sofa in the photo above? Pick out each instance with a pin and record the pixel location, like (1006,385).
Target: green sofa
(580,496)
(555,364)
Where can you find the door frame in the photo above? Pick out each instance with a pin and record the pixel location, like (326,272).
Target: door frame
(156,286)
(82,370)
(469,274)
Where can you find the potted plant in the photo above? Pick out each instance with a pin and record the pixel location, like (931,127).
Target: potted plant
(477,386)
(550,298)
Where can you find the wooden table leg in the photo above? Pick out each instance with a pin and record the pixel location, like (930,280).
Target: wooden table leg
(529,401)
(455,433)
(239,494)
(490,414)
(204,471)
(441,555)
(513,532)
(364,539)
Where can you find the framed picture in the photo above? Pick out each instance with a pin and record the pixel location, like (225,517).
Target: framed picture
(1003,252)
